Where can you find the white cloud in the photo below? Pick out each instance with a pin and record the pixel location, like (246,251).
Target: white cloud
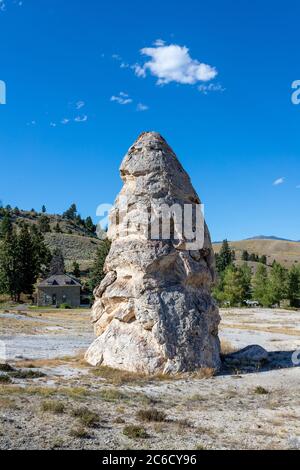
(53,124)
(279,181)
(80,104)
(173,63)
(4,4)
(142,107)
(159,43)
(65,121)
(81,118)
(122,98)
(139,70)
(205,89)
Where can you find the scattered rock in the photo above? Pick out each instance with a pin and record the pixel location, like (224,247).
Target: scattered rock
(250,356)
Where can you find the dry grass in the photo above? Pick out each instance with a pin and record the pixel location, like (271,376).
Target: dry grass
(53,406)
(79,432)
(227,347)
(111,394)
(268,329)
(203,373)
(7,404)
(87,417)
(135,432)
(151,415)
(75,361)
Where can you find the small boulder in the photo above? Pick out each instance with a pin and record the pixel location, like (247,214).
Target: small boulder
(253,355)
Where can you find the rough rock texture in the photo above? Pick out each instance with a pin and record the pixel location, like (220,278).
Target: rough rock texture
(253,355)
(153,311)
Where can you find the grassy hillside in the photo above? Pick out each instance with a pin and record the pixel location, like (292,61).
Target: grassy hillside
(74,248)
(75,241)
(285,252)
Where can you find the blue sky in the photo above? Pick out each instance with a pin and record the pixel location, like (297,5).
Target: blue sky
(214,78)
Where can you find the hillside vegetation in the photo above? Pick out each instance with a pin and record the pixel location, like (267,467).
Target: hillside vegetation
(284,252)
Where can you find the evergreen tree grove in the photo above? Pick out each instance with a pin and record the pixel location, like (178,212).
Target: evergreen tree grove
(293,286)
(97,273)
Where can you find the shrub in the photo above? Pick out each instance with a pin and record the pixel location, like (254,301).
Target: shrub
(65,307)
(5,379)
(87,417)
(55,407)
(6,367)
(135,432)
(261,391)
(151,415)
(27,374)
(111,394)
(79,432)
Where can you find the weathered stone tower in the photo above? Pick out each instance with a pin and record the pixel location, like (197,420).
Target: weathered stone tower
(153,310)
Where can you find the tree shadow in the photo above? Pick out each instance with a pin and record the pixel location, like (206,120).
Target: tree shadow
(276,360)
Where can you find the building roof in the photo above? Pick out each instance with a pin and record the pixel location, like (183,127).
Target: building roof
(59,280)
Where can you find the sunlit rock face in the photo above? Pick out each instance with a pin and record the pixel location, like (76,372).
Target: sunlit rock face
(153,311)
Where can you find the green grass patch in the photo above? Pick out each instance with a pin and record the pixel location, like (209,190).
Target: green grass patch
(135,432)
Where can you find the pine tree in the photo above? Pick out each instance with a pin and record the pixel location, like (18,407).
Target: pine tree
(263,259)
(293,287)
(71,213)
(10,281)
(245,255)
(233,286)
(22,257)
(44,209)
(245,280)
(6,226)
(27,261)
(76,269)
(261,286)
(44,224)
(277,284)
(97,272)
(89,225)
(225,257)
(57,228)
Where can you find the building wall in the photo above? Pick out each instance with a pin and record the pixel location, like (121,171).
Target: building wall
(64,295)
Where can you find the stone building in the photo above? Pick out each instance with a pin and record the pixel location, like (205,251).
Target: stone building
(58,289)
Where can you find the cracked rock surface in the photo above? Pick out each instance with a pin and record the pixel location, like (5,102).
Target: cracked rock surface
(153,311)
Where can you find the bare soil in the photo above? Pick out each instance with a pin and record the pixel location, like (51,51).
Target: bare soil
(75,406)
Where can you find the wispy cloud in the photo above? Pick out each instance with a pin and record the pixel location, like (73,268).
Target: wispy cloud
(5,3)
(142,107)
(122,98)
(279,181)
(159,43)
(298,186)
(173,63)
(65,121)
(81,118)
(80,104)
(211,87)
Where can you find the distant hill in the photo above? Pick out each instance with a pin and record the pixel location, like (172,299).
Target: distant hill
(284,251)
(75,241)
(264,237)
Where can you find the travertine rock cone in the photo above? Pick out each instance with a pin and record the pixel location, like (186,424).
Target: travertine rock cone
(154,311)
